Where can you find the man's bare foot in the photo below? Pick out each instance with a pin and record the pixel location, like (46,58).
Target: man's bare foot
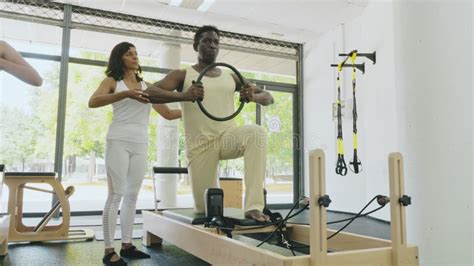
(257,215)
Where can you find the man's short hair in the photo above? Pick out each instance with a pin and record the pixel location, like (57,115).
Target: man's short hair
(201,30)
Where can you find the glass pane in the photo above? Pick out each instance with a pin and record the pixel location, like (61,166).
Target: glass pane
(146,195)
(28,120)
(97,46)
(31,37)
(278,122)
(289,79)
(185,197)
(84,142)
(252,66)
(28,115)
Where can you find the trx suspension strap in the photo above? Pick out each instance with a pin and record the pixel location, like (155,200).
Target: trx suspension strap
(341,168)
(355,163)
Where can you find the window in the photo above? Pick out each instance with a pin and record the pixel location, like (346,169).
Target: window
(278,122)
(84,142)
(28,115)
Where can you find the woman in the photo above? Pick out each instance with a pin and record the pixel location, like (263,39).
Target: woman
(12,62)
(127,141)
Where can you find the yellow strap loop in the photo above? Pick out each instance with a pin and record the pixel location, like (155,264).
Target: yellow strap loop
(354,139)
(340,146)
(353,59)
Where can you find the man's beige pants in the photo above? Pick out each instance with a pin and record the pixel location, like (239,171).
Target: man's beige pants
(248,141)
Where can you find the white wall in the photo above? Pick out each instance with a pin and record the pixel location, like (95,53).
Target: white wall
(433,74)
(377,123)
(319,128)
(417,100)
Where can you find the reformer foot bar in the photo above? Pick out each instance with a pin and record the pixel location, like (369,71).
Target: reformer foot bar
(344,249)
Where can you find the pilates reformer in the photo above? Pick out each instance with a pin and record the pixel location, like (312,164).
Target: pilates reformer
(181,227)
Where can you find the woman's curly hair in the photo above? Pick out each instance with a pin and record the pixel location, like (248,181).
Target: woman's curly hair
(115,65)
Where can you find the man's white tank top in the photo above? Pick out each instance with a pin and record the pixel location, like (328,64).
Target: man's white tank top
(201,131)
(130,118)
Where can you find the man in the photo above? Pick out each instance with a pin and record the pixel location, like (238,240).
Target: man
(208,141)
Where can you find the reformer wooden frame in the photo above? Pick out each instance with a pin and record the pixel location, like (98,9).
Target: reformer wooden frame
(346,248)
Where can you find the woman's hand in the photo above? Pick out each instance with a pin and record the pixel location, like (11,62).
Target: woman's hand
(137,94)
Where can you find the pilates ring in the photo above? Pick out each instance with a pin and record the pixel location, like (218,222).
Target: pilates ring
(199,101)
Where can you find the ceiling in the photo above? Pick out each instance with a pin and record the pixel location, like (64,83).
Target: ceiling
(297,21)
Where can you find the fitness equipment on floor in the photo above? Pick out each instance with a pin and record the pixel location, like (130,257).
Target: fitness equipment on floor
(18,232)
